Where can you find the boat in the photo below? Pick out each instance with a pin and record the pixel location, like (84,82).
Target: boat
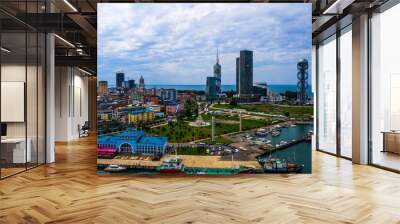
(172,166)
(247,169)
(115,168)
(261,132)
(275,133)
(276,165)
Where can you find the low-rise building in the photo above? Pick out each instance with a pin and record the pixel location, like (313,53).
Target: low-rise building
(140,115)
(172,107)
(168,94)
(134,142)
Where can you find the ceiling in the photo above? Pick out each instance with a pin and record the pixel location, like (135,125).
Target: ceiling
(75,22)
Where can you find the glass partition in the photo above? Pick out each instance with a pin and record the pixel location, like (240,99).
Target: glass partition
(22,91)
(327,95)
(13,117)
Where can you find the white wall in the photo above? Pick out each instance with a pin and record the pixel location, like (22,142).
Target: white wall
(71,102)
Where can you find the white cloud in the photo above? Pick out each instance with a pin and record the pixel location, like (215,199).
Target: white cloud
(180,40)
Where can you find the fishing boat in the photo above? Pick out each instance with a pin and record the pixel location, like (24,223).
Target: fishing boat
(115,168)
(276,165)
(172,166)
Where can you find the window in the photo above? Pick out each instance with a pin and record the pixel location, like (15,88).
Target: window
(125,148)
(385,88)
(327,95)
(346,93)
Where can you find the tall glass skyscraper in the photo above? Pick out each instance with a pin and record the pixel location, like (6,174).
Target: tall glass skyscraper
(131,84)
(244,73)
(120,79)
(211,88)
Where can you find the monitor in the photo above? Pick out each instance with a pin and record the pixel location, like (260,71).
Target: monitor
(3,129)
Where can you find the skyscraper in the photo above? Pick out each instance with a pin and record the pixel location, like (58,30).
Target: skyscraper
(244,73)
(131,84)
(103,88)
(237,75)
(120,79)
(211,89)
(141,83)
(302,84)
(217,74)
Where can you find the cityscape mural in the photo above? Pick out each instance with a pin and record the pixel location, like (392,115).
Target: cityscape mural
(215,89)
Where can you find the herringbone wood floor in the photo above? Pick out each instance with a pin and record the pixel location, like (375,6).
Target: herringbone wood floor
(70,191)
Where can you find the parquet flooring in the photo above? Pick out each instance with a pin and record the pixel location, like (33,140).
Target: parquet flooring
(70,191)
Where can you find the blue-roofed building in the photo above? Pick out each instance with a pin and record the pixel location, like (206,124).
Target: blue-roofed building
(135,142)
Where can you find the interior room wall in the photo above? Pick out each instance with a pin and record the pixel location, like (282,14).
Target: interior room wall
(71,102)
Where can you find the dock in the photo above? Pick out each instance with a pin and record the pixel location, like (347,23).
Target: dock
(129,163)
(284,146)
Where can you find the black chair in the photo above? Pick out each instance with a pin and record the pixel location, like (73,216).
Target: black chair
(84,130)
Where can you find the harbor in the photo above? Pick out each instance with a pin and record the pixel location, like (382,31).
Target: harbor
(248,153)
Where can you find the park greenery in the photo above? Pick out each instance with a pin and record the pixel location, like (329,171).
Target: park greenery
(291,111)
(181,131)
(189,112)
(219,140)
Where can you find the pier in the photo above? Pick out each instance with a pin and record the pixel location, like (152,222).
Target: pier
(284,146)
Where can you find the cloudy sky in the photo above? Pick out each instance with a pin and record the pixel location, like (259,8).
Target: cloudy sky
(177,43)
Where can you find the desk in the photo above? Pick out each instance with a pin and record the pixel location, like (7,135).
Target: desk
(13,150)
(391,141)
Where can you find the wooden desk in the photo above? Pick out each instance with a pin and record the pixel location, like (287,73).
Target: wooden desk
(391,141)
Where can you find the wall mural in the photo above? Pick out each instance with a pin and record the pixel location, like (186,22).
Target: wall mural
(219,89)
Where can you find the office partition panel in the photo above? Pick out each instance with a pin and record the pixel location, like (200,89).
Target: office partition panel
(15,148)
(22,92)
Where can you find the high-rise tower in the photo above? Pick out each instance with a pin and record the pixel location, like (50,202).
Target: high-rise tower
(217,73)
(141,83)
(244,73)
(120,79)
(302,84)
